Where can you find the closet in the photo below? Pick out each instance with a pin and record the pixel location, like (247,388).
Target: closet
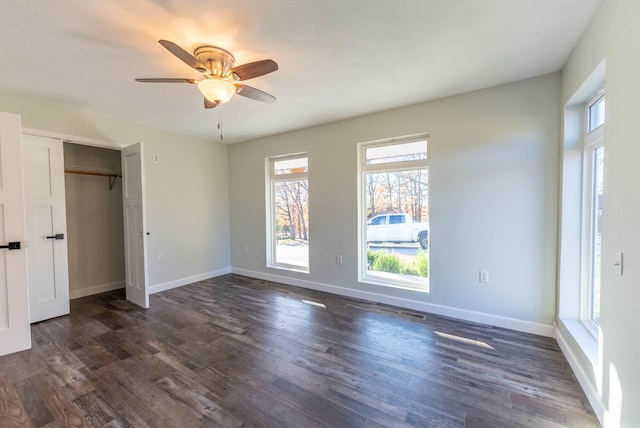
(94,212)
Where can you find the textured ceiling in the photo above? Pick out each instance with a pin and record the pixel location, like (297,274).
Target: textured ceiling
(337,58)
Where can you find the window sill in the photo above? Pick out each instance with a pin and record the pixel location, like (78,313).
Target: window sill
(289,268)
(392,281)
(584,337)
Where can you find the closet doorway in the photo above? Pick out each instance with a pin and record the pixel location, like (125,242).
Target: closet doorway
(95,229)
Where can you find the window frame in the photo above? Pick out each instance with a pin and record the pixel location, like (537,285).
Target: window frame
(592,141)
(398,166)
(272,227)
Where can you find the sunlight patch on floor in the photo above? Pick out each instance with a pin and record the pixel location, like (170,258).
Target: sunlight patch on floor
(309,302)
(464,340)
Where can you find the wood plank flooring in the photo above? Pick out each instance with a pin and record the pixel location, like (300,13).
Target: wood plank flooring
(235,352)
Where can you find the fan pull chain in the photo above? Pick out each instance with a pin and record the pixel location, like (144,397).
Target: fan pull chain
(220,121)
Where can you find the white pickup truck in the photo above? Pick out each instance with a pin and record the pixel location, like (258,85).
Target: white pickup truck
(397,228)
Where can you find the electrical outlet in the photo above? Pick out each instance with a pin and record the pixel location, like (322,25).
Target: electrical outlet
(338,259)
(245,248)
(484,276)
(156,158)
(160,259)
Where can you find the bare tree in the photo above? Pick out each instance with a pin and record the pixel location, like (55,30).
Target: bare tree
(291,203)
(372,188)
(399,191)
(300,192)
(285,206)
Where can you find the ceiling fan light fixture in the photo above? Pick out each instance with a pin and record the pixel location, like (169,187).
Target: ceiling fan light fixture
(217,91)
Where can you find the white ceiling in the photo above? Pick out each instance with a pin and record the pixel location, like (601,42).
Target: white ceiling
(337,58)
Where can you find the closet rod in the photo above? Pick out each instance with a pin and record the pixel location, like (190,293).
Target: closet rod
(112,177)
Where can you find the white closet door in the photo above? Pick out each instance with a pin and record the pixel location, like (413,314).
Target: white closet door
(134,225)
(43,161)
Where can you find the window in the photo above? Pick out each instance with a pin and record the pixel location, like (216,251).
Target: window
(581,206)
(592,211)
(394,213)
(379,220)
(595,113)
(397,219)
(288,208)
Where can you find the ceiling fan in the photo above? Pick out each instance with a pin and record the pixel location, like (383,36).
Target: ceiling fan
(220,75)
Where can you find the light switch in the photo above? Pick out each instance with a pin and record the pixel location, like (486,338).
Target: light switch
(618,265)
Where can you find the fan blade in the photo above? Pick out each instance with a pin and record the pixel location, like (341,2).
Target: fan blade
(254,94)
(167,80)
(254,69)
(185,56)
(209,104)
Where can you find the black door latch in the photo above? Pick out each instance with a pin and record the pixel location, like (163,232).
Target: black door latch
(12,245)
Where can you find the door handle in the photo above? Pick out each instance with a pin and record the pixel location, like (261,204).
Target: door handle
(12,245)
(56,236)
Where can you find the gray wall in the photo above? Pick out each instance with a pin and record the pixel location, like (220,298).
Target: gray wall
(613,376)
(95,235)
(493,203)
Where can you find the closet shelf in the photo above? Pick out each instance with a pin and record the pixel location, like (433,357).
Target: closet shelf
(101,172)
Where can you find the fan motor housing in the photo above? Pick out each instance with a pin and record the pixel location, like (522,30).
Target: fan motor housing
(219,61)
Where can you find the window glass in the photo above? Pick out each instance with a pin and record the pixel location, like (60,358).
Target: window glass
(596,114)
(291,166)
(596,241)
(396,152)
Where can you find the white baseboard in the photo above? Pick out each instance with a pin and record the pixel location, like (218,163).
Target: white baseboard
(84,292)
(156,288)
(588,387)
(463,314)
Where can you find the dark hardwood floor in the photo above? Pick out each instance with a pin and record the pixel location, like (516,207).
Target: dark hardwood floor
(235,351)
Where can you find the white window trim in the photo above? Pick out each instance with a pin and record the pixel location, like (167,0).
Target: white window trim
(592,140)
(271,180)
(363,170)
